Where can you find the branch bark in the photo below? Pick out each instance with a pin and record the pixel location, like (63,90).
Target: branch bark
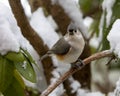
(106,53)
(35,4)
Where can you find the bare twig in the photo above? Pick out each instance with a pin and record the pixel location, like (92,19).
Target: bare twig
(106,53)
(110,60)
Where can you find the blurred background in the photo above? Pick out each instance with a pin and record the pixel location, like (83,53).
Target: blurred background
(49,19)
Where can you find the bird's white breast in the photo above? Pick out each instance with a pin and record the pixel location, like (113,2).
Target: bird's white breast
(77,45)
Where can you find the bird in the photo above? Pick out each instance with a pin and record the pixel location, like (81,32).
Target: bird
(69,47)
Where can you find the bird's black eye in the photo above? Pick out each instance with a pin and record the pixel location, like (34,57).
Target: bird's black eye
(71,30)
(75,31)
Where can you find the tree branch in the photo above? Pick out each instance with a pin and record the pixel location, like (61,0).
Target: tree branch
(31,35)
(25,27)
(106,53)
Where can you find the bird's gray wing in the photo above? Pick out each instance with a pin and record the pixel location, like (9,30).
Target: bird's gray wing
(61,47)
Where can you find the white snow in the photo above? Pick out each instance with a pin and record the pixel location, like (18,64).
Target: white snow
(71,8)
(76,88)
(110,94)
(75,85)
(52,22)
(5,2)
(117,89)
(25,4)
(44,29)
(26,7)
(114,37)
(94,41)
(88,21)
(8,40)
(95,94)
(24,64)
(11,38)
(81,92)
(59,90)
(17,32)
(107,6)
(55,73)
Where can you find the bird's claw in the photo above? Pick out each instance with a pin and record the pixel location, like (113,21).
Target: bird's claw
(79,64)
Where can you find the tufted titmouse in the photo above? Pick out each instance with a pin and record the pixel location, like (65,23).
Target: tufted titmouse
(68,48)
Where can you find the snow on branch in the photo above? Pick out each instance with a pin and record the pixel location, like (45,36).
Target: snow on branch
(11,38)
(114,37)
(43,27)
(107,6)
(76,87)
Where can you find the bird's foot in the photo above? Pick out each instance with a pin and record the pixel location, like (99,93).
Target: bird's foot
(78,64)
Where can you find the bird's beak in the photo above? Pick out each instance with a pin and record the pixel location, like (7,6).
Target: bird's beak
(71,33)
